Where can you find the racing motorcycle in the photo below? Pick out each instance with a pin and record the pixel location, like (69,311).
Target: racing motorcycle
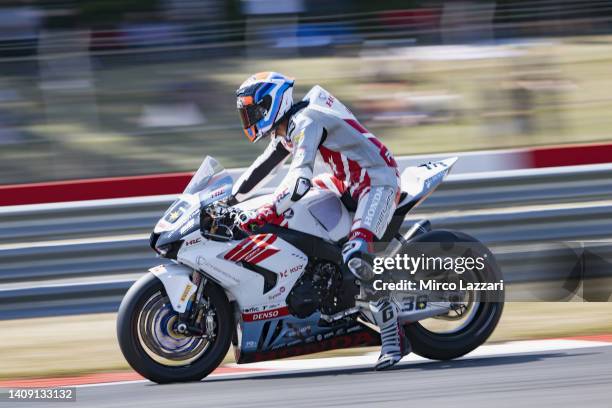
(281,291)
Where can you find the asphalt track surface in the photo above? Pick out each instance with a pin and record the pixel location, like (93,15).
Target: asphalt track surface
(557,378)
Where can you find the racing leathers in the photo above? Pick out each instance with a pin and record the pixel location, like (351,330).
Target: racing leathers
(362,172)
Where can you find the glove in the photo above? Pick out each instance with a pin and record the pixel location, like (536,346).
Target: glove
(265,215)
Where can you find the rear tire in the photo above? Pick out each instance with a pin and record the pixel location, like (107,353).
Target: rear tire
(436,346)
(132,348)
(447,346)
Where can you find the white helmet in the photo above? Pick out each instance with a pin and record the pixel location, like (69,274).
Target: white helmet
(263,100)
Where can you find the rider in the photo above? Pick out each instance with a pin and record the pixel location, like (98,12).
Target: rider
(363,173)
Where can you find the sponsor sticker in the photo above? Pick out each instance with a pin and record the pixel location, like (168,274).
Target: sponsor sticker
(186,292)
(193,241)
(265,315)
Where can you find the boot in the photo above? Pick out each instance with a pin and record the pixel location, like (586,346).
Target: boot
(395,345)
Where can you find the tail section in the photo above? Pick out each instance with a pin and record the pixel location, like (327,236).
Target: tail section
(420,181)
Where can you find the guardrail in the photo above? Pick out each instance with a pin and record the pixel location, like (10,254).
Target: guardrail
(81,257)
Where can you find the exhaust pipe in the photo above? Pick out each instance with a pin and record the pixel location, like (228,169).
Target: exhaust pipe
(418,228)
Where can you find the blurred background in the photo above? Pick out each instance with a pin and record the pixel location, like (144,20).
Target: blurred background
(99,88)
(95,88)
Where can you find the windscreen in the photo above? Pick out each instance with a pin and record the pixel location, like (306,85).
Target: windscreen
(208,169)
(209,184)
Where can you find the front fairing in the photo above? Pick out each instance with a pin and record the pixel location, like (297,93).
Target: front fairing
(181,218)
(209,184)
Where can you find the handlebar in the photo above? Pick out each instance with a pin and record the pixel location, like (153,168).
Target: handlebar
(219,221)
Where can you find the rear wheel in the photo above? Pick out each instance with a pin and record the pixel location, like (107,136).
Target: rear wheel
(433,343)
(472,321)
(152,345)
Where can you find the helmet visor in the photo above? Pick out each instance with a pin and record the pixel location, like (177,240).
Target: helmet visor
(250,113)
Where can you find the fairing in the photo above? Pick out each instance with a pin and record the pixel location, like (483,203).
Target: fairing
(209,184)
(259,272)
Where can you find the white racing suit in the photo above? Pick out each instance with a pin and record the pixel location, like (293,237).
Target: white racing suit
(361,171)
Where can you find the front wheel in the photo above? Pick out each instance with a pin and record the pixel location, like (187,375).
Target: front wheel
(149,341)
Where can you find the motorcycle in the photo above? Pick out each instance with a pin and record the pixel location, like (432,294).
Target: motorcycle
(281,291)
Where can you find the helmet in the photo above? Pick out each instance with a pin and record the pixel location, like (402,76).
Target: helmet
(263,99)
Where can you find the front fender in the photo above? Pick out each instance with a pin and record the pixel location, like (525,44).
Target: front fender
(177,282)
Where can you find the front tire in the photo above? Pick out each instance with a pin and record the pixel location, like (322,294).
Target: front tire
(195,358)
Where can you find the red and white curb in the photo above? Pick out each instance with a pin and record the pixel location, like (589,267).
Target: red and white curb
(279,367)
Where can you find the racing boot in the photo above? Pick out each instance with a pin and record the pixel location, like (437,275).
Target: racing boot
(395,345)
(356,257)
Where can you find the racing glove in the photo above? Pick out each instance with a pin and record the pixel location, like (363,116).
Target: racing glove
(250,221)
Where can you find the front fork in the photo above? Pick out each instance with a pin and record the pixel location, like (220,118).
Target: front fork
(198,318)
